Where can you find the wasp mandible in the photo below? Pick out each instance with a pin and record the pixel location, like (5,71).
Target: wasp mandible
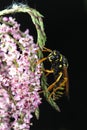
(59,66)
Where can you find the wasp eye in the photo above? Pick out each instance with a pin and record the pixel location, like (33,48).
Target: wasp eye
(51,57)
(54,53)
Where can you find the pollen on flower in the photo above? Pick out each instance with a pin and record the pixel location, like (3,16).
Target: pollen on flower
(19,76)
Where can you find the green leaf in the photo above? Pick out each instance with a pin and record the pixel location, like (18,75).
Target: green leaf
(37,113)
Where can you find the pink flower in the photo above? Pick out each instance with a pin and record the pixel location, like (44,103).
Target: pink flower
(19,76)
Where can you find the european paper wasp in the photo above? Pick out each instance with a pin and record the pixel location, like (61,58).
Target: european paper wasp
(58,68)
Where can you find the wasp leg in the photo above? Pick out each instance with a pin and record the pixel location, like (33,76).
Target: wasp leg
(53,84)
(61,85)
(46,49)
(41,60)
(48,72)
(45,58)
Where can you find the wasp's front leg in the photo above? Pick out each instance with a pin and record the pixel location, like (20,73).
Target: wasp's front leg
(41,60)
(45,58)
(46,49)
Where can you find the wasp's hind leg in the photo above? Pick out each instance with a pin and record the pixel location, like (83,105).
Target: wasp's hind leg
(60,88)
(54,83)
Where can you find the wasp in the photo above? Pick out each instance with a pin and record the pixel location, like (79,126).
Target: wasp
(59,70)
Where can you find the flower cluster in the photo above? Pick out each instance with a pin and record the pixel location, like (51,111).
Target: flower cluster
(19,76)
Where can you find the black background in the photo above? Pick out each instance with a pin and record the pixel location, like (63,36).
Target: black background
(65,23)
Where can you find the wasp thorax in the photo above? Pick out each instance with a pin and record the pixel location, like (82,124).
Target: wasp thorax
(65,61)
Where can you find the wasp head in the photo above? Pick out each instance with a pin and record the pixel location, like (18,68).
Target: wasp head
(54,56)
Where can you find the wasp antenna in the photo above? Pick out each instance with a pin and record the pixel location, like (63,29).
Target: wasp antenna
(47,50)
